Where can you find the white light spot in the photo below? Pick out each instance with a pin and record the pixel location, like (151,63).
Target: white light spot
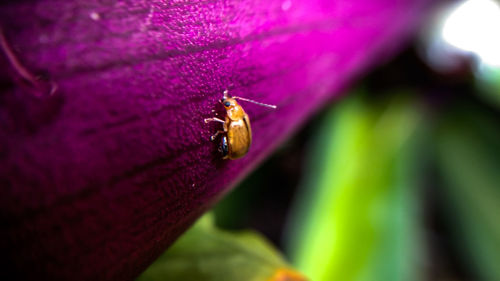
(95,16)
(474,27)
(286,5)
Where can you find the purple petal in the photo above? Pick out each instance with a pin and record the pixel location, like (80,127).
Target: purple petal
(99,177)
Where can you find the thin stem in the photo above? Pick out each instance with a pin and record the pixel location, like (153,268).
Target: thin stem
(20,69)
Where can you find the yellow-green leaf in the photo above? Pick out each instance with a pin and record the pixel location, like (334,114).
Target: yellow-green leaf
(205,253)
(356,213)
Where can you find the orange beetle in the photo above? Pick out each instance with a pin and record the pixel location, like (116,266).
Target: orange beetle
(237,132)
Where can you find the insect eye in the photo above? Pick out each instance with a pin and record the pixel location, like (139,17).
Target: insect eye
(227,104)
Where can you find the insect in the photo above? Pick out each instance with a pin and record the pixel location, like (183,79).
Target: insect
(237,132)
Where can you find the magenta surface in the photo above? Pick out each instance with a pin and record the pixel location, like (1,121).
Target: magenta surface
(100,177)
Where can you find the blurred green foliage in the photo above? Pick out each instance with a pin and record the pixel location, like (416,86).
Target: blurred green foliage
(355,216)
(468,149)
(207,253)
(488,84)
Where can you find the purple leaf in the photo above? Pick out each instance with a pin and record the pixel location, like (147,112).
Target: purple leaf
(104,155)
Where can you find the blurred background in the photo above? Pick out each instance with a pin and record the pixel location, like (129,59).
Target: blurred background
(399,179)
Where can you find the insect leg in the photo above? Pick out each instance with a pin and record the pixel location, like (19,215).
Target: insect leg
(216,134)
(214,119)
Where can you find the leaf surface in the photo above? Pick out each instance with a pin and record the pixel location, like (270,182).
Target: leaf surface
(102,175)
(207,253)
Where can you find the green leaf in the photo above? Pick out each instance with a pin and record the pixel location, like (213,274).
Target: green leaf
(468,146)
(488,84)
(355,218)
(207,253)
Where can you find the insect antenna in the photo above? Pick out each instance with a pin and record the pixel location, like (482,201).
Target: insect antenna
(256,102)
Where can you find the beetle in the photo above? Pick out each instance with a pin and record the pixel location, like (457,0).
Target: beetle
(237,132)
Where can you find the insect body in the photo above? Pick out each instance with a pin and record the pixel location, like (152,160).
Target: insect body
(237,132)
